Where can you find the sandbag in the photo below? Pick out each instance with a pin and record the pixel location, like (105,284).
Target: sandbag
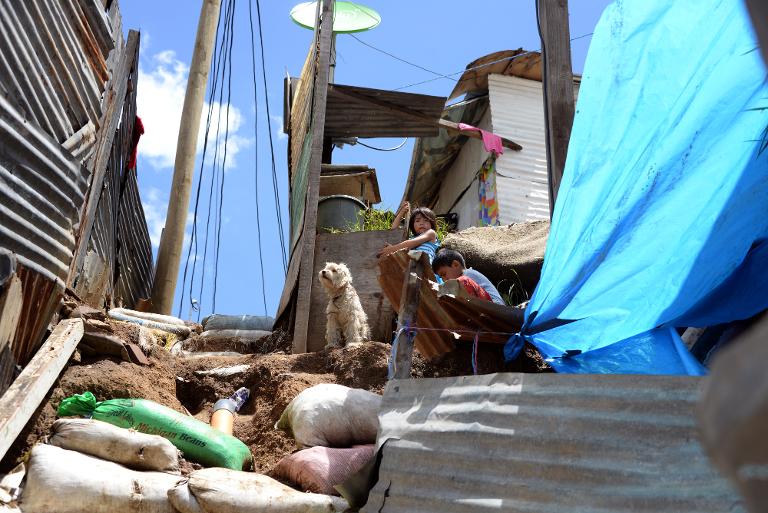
(218,490)
(125,446)
(242,341)
(153,321)
(238,322)
(318,469)
(197,440)
(62,481)
(332,415)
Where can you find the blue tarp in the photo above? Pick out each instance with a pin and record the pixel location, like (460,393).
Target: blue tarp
(662,215)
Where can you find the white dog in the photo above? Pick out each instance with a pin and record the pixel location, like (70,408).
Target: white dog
(345,316)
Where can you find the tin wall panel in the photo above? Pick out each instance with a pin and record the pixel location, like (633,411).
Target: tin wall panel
(53,61)
(517,113)
(41,191)
(135,270)
(545,443)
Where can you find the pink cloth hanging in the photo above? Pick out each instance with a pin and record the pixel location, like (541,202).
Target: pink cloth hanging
(491,141)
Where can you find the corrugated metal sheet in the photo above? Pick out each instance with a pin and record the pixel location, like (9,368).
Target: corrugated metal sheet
(517,112)
(53,61)
(384,114)
(519,63)
(41,191)
(545,443)
(451,310)
(135,270)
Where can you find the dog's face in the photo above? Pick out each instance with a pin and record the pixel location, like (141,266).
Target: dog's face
(335,276)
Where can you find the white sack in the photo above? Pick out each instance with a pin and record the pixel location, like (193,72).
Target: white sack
(125,446)
(332,416)
(62,481)
(220,490)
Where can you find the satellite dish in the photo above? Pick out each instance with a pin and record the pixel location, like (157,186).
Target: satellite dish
(348,17)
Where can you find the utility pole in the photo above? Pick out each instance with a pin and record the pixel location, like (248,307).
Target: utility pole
(172,240)
(557,78)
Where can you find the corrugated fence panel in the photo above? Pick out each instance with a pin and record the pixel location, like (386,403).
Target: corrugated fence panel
(41,191)
(135,266)
(517,113)
(545,443)
(52,60)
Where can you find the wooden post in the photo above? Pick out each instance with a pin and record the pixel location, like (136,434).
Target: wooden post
(409,305)
(23,397)
(306,269)
(558,88)
(172,239)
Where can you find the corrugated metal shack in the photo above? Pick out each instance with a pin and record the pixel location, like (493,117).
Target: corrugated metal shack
(70,213)
(504,96)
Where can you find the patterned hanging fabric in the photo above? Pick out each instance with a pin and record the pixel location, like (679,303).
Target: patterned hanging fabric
(489,204)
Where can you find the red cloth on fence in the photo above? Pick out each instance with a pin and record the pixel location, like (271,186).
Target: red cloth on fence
(491,141)
(138,131)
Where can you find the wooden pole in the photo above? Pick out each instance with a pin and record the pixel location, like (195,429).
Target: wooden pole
(29,389)
(172,240)
(409,305)
(306,269)
(558,88)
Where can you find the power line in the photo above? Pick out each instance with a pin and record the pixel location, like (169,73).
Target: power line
(511,58)
(383,149)
(275,186)
(439,75)
(256,158)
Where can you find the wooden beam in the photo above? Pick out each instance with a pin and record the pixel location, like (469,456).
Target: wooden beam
(558,88)
(26,393)
(114,98)
(454,127)
(409,306)
(414,114)
(307,263)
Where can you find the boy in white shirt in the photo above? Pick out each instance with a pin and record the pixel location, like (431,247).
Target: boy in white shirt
(449,265)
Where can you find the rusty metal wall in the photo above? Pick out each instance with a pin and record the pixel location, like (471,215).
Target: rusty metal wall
(545,442)
(53,64)
(56,57)
(118,268)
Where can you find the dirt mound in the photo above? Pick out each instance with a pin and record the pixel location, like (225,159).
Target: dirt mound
(194,384)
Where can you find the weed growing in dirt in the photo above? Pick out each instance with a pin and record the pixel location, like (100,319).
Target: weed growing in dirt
(371,220)
(512,291)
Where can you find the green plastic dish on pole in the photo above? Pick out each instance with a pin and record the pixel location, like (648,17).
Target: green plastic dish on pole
(348,17)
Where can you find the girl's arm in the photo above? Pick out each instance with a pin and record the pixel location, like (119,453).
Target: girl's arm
(400,215)
(428,236)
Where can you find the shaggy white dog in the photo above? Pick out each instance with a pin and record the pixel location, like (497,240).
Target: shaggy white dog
(346,319)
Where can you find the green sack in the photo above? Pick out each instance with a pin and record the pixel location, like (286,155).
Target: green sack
(197,440)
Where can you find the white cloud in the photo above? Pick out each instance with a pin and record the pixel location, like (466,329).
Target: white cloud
(155,205)
(278,121)
(160,100)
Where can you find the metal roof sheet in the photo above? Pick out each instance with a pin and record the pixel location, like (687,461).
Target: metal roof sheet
(545,443)
(364,112)
(519,63)
(351,180)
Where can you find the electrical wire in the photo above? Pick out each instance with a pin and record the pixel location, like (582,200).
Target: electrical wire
(275,186)
(383,149)
(193,238)
(256,158)
(511,58)
(439,75)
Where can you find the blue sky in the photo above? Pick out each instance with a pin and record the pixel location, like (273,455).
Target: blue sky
(442,36)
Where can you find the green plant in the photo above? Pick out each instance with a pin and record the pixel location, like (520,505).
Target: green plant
(373,220)
(512,291)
